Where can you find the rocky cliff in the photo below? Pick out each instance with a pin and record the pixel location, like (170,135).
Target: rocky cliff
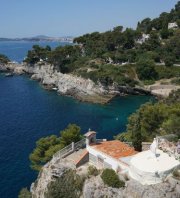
(95,188)
(68,84)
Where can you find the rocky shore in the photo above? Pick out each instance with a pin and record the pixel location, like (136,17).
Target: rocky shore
(95,188)
(70,85)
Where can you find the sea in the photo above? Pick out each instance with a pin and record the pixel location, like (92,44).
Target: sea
(29,112)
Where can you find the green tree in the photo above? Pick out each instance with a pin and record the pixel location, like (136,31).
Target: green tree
(70,134)
(164,33)
(146,69)
(37,53)
(4,59)
(169,60)
(46,147)
(151,120)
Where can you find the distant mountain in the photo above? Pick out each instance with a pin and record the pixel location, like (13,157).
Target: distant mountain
(41,38)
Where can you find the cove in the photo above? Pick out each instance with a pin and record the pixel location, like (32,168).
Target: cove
(28,112)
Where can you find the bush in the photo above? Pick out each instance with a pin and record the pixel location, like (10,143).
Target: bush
(169,61)
(167,72)
(4,59)
(146,69)
(110,178)
(149,82)
(69,185)
(176,173)
(176,81)
(92,170)
(24,193)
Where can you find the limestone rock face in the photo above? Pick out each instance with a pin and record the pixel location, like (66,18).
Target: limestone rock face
(2,68)
(134,189)
(48,173)
(95,188)
(71,85)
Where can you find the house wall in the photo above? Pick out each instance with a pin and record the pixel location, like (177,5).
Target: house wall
(109,162)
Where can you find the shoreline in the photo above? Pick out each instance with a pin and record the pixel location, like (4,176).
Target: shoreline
(84,90)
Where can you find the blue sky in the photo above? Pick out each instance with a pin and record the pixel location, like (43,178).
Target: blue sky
(24,18)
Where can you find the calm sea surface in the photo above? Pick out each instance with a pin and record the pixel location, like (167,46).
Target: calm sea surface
(28,112)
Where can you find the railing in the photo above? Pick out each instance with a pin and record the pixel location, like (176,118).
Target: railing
(69,149)
(80,144)
(63,151)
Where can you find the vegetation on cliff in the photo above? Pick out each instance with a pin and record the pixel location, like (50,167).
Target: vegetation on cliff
(46,147)
(69,185)
(101,56)
(4,59)
(24,193)
(151,120)
(110,177)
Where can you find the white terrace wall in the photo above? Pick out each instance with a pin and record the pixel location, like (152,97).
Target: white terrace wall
(114,163)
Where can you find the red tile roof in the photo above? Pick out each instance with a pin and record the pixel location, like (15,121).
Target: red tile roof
(115,149)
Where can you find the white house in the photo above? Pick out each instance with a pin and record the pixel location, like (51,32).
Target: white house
(144,38)
(148,167)
(108,154)
(172,25)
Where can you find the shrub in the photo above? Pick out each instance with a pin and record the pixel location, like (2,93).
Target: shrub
(149,82)
(176,173)
(4,59)
(110,178)
(176,81)
(169,61)
(146,69)
(69,185)
(24,193)
(92,170)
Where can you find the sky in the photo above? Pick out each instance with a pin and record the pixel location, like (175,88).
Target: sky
(26,18)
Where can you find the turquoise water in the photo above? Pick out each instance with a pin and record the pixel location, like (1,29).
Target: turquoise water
(28,112)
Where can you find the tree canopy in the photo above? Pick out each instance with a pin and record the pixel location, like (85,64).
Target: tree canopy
(4,59)
(98,55)
(146,69)
(46,147)
(153,119)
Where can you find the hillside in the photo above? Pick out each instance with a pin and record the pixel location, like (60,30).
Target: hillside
(125,57)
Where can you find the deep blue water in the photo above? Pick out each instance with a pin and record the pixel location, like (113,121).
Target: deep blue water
(28,112)
(17,50)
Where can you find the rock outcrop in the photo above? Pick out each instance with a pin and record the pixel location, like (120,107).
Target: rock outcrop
(68,84)
(95,188)
(48,173)
(168,189)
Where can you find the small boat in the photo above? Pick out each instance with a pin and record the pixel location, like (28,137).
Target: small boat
(9,74)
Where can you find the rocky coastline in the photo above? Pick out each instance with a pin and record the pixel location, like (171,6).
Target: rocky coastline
(94,186)
(67,84)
